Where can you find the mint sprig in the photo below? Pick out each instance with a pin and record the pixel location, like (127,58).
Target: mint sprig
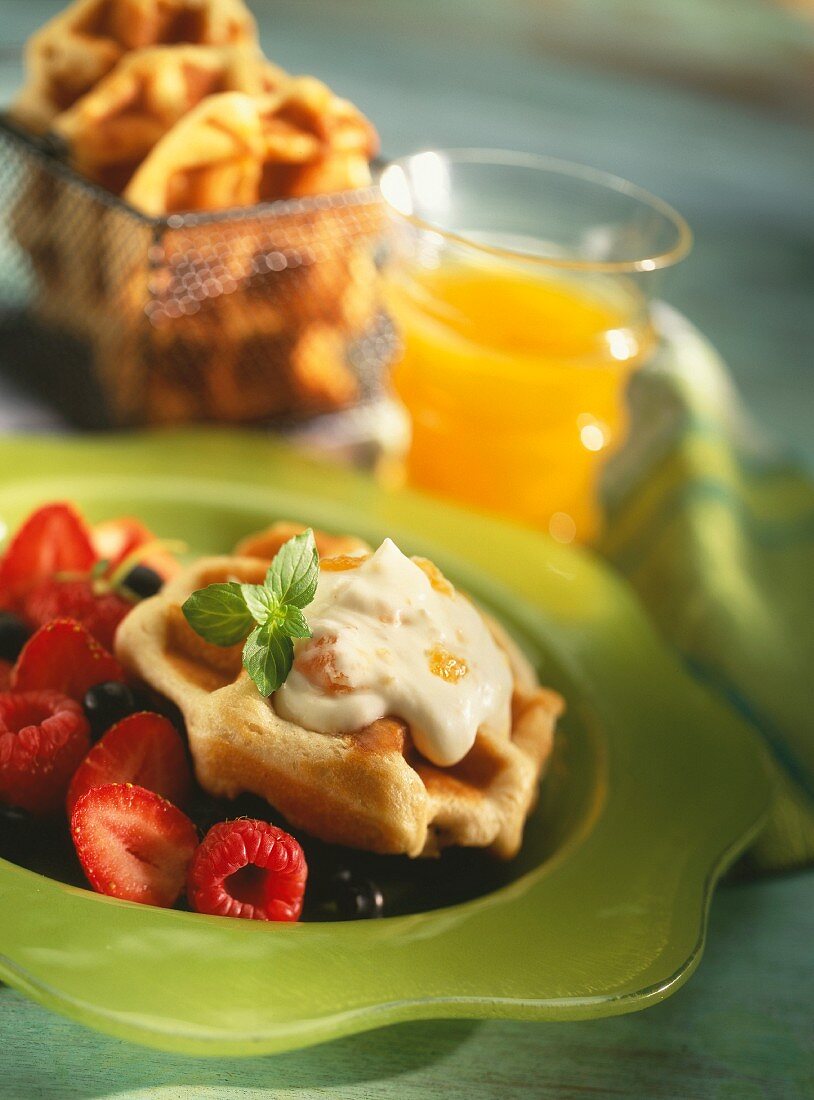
(268,615)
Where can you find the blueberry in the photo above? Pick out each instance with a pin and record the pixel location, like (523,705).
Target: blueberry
(106,704)
(13,636)
(143,581)
(356,898)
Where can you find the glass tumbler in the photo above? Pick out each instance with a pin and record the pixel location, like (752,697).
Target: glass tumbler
(520,286)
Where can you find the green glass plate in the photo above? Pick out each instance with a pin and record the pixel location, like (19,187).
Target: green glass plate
(653,790)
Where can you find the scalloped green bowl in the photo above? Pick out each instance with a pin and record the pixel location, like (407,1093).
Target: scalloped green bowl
(653,790)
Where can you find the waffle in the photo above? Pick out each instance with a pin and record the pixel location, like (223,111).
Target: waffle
(369,788)
(233,362)
(236,150)
(110,130)
(66,57)
(266,543)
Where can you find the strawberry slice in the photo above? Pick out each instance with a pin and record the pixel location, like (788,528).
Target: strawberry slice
(145,749)
(43,736)
(116,539)
(63,656)
(132,843)
(54,539)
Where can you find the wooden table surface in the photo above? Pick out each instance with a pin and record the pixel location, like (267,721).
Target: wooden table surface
(703,102)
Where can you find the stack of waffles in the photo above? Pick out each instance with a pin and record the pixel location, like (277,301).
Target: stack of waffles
(203,305)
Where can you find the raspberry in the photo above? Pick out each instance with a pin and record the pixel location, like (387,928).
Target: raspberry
(248,868)
(100,614)
(43,738)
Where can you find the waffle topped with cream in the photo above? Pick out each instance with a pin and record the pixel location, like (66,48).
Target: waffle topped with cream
(409,721)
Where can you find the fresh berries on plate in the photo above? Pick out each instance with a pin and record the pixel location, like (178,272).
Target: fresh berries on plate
(84,599)
(144,749)
(107,703)
(56,567)
(248,868)
(133,844)
(62,655)
(43,737)
(54,539)
(14,633)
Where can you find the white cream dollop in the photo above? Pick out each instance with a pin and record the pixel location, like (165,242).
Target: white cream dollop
(379,629)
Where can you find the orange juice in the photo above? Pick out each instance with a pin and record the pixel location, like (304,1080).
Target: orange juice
(514,384)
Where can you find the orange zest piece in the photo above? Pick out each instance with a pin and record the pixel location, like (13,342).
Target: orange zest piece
(447,666)
(342,562)
(317,663)
(436,578)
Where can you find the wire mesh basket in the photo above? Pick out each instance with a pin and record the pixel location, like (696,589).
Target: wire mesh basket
(266,313)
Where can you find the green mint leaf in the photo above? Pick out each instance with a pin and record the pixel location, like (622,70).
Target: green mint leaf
(293,623)
(219,614)
(261,602)
(267,657)
(293,575)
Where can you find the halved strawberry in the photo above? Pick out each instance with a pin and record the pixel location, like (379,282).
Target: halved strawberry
(116,539)
(145,749)
(98,612)
(54,539)
(132,843)
(63,656)
(43,736)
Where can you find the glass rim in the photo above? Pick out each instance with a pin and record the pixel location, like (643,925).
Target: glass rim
(555,165)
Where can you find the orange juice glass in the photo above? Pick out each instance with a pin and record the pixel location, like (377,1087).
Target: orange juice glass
(520,286)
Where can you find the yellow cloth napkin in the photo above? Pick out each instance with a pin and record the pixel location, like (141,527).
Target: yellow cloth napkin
(714,528)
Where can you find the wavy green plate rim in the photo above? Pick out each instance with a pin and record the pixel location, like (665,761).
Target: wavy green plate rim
(614,920)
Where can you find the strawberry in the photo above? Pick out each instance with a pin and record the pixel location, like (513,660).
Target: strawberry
(143,748)
(248,868)
(43,737)
(115,540)
(132,843)
(100,613)
(62,655)
(54,539)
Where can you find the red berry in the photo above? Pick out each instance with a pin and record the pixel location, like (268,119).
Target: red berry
(250,869)
(62,655)
(75,599)
(145,749)
(5,675)
(132,843)
(43,737)
(54,539)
